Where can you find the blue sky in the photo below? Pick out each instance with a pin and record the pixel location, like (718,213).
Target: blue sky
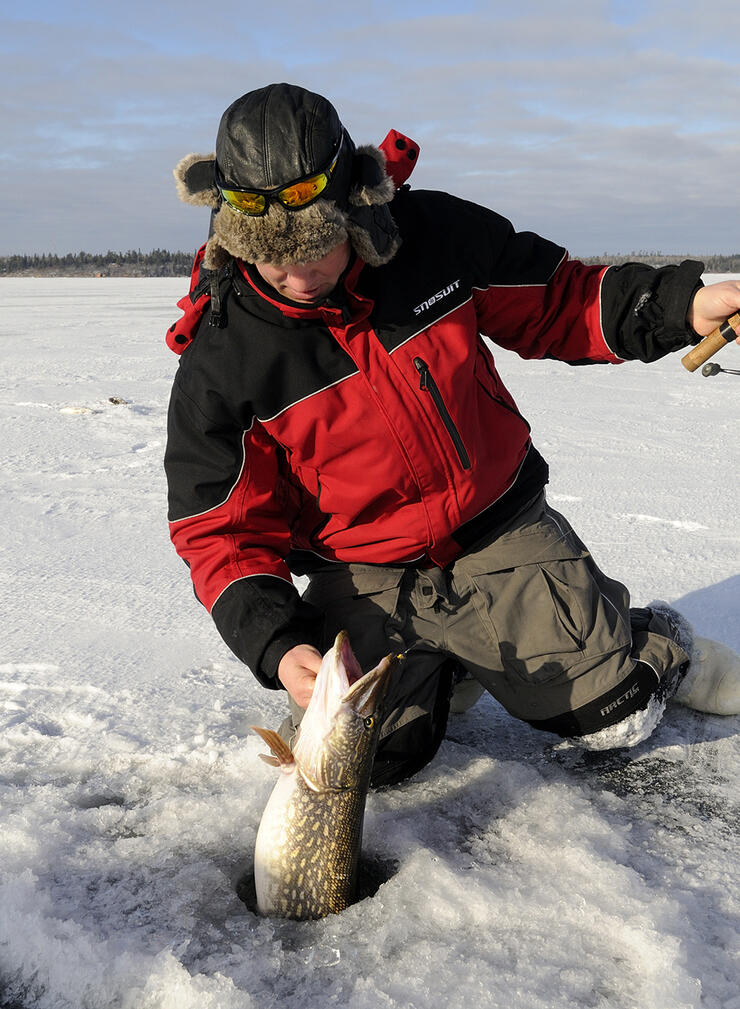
(606,126)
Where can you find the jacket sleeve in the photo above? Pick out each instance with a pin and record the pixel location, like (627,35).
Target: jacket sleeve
(644,310)
(538,303)
(229,519)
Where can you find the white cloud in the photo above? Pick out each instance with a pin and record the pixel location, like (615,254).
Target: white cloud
(605,126)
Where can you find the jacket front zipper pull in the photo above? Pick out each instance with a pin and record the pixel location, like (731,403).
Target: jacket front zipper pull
(427,384)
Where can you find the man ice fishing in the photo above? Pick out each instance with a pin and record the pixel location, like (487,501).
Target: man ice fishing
(337,413)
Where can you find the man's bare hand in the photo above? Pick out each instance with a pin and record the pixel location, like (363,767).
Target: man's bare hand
(297,672)
(713,304)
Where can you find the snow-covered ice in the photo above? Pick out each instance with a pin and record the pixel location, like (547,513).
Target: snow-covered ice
(519,872)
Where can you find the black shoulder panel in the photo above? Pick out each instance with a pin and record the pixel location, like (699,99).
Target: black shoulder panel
(450,248)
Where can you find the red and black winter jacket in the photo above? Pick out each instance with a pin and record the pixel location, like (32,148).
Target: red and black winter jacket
(374,427)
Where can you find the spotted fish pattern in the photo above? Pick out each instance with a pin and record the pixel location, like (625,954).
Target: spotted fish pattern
(309,839)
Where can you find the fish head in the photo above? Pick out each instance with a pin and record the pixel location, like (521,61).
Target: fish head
(339,731)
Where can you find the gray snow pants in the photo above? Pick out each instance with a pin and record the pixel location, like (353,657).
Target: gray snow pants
(527,613)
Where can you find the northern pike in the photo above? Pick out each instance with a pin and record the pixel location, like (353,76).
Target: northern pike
(308,843)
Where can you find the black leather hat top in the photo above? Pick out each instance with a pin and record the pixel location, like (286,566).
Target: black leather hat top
(270,137)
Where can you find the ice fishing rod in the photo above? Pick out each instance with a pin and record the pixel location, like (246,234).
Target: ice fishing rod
(709,346)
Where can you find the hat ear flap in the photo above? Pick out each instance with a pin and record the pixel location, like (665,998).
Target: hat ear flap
(371,184)
(373,233)
(215,255)
(194,179)
(371,227)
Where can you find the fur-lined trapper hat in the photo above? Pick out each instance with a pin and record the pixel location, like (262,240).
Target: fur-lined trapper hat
(271,138)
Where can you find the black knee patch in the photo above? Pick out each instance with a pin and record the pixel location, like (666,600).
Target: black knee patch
(405,751)
(632,694)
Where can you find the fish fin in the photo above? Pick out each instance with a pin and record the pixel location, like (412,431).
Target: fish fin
(272,761)
(283,753)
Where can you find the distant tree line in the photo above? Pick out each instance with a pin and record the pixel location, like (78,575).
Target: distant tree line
(712,263)
(162,263)
(134,263)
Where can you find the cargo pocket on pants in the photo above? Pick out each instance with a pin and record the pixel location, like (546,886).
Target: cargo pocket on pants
(552,618)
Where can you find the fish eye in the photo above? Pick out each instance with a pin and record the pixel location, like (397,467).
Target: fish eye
(369,722)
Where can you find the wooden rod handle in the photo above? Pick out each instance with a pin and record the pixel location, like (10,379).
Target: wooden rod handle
(716,340)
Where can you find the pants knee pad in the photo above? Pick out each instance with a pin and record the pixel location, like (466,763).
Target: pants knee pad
(624,716)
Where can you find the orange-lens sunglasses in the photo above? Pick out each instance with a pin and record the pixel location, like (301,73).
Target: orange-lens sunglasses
(254,202)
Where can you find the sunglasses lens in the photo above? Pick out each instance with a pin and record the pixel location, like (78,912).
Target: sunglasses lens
(301,193)
(298,194)
(247,203)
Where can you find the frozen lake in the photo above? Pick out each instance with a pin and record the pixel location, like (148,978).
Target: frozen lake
(520,873)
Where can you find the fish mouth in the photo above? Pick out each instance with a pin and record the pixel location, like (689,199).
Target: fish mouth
(345,660)
(342,684)
(366,694)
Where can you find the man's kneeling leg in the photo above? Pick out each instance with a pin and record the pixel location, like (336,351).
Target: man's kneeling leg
(629,712)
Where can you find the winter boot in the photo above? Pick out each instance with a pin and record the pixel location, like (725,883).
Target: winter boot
(712,683)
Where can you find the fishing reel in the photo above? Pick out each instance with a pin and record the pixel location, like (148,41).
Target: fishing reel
(714,369)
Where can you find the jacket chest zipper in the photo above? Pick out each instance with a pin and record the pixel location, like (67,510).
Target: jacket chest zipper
(427,384)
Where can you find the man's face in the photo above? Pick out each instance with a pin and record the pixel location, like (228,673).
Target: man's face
(307,282)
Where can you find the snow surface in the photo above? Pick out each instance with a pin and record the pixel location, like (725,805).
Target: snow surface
(519,872)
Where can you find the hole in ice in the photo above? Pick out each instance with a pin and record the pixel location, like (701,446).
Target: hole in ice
(246,891)
(97,799)
(373,871)
(14,992)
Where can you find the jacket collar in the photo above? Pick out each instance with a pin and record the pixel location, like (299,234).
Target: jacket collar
(336,300)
